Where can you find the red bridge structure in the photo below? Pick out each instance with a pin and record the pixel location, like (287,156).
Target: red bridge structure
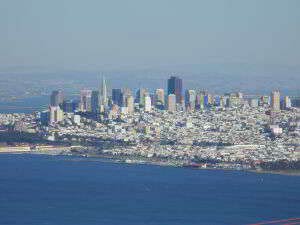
(290,221)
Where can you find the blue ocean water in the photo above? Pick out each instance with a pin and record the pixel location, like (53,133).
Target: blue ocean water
(25,105)
(65,190)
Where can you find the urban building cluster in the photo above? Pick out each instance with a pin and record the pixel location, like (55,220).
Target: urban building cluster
(123,102)
(187,126)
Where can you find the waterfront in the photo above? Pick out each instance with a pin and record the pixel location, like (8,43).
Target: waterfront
(42,189)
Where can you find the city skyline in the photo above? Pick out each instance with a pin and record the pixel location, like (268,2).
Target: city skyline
(176,98)
(150,112)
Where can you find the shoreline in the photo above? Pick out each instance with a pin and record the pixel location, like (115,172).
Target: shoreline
(66,151)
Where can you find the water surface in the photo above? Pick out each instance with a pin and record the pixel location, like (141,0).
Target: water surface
(63,190)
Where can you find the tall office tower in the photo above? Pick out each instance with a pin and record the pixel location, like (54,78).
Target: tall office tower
(210,99)
(217,100)
(117,96)
(197,102)
(69,106)
(171,103)
(56,98)
(275,100)
(85,100)
(103,93)
(130,104)
(287,102)
(190,99)
(140,96)
(159,97)
(175,87)
(147,103)
(126,92)
(223,101)
(95,101)
(55,114)
(200,100)
(206,100)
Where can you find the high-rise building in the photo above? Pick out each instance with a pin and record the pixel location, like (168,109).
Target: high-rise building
(171,103)
(130,104)
(147,103)
(210,99)
(217,100)
(275,100)
(117,96)
(223,101)
(103,93)
(190,99)
(287,102)
(159,97)
(140,96)
(126,92)
(69,106)
(95,101)
(55,114)
(175,87)
(56,98)
(85,100)
(206,100)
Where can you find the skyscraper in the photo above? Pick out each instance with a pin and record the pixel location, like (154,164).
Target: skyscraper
(147,103)
(200,100)
(55,114)
(190,99)
(126,92)
(140,96)
(56,98)
(69,106)
(103,93)
(171,103)
(95,101)
(287,102)
(275,100)
(117,96)
(85,100)
(130,104)
(175,87)
(159,97)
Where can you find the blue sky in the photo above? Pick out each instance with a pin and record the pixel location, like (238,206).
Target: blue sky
(77,34)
